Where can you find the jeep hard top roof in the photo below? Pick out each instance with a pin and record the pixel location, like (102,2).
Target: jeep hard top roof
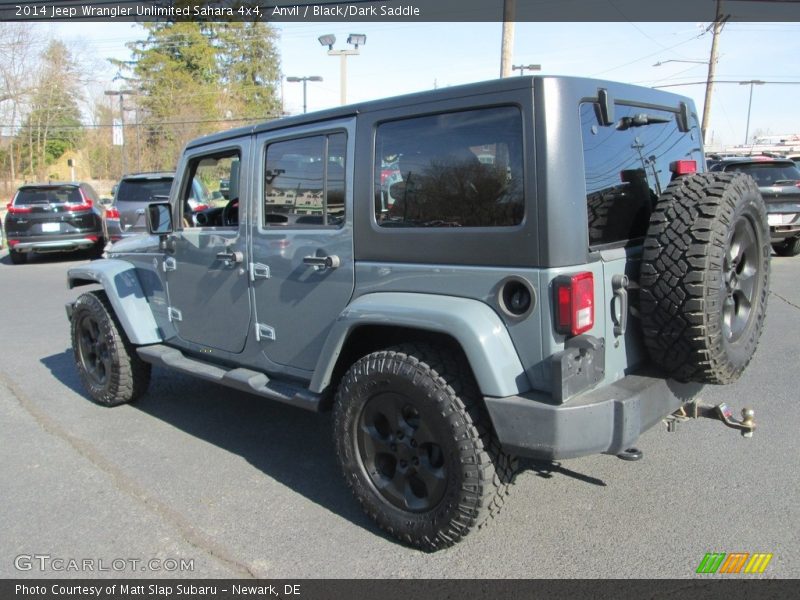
(627,91)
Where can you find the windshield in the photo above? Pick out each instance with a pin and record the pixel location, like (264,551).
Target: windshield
(54,194)
(143,190)
(767,173)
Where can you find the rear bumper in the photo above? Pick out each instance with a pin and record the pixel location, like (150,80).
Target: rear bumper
(779,233)
(783,232)
(53,244)
(607,420)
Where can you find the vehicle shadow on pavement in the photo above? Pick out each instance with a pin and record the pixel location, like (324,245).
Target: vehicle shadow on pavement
(290,445)
(545,469)
(62,367)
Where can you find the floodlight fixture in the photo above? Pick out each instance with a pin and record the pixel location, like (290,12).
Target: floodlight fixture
(357,39)
(327,40)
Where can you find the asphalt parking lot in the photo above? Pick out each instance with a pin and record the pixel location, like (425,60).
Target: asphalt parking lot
(241,487)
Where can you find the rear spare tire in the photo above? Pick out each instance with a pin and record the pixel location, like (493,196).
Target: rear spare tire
(705,277)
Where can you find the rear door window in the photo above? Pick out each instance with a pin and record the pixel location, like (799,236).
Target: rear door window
(627,167)
(304,182)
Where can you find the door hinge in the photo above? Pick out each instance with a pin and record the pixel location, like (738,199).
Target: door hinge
(174,314)
(264,332)
(259,271)
(170,264)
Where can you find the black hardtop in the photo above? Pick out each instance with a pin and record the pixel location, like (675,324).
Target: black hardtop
(623,91)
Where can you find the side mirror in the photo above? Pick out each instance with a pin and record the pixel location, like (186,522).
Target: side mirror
(159,218)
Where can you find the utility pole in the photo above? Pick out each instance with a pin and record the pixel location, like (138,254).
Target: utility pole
(507,46)
(712,67)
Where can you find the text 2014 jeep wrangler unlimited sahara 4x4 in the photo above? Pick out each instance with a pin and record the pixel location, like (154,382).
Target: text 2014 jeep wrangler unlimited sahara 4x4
(526,267)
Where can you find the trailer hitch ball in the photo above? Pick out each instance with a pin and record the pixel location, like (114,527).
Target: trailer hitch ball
(748,421)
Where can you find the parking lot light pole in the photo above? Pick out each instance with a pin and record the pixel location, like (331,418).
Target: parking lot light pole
(305,80)
(523,68)
(354,39)
(751,83)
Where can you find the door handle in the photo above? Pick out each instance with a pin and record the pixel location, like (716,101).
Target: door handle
(322,262)
(230,258)
(619,304)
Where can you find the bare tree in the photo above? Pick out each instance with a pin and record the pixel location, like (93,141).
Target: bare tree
(18,47)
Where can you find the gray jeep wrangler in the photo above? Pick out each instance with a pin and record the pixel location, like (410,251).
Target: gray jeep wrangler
(535,267)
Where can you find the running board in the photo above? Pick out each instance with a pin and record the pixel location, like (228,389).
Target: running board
(244,380)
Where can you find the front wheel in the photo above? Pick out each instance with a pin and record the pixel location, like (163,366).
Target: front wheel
(107,363)
(416,447)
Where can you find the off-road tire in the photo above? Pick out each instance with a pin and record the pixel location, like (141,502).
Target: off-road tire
(707,251)
(17,258)
(790,247)
(477,473)
(107,363)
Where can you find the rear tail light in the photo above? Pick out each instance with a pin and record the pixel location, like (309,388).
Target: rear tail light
(112,213)
(83,206)
(94,238)
(17,210)
(574,299)
(200,207)
(683,167)
(12,243)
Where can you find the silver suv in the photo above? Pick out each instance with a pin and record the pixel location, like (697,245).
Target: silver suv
(528,267)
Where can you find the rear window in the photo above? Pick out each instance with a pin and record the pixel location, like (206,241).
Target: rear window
(142,190)
(627,167)
(459,169)
(48,194)
(767,173)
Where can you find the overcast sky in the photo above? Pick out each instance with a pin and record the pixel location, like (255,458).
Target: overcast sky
(409,57)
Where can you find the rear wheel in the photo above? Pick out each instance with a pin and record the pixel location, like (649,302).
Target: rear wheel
(790,247)
(17,258)
(416,447)
(705,277)
(107,363)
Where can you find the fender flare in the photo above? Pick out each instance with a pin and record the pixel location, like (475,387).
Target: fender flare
(474,325)
(124,290)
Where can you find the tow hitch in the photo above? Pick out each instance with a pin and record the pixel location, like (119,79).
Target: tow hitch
(721,412)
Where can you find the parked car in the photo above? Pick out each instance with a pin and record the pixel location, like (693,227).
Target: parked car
(778,179)
(453,312)
(125,216)
(53,217)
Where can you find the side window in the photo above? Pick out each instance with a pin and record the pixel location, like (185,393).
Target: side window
(459,169)
(204,203)
(304,181)
(627,168)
